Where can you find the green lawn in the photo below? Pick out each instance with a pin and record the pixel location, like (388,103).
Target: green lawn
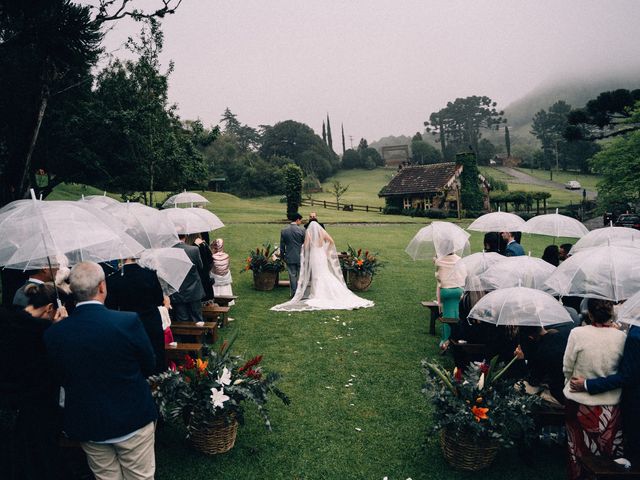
(380,349)
(587,181)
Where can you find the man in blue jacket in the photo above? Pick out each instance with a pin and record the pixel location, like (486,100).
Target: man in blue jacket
(627,378)
(101,358)
(513,248)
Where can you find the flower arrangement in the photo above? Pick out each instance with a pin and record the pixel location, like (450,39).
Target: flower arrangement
(204,390)
(479,403)
(359,263)
(264,259)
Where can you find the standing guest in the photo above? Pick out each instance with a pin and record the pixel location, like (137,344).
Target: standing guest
(137,289)
(186,303)
(594,422)
(564,251)
(37,277)
(195,239)
(513,248)
(449,290)
(102,358)
(27,387)
(291,239)
(220,271)
(551,255)
(313,217)
(627,378)
(492,242)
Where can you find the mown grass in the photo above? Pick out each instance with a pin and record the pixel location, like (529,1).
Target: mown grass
(378,349)
(587,181)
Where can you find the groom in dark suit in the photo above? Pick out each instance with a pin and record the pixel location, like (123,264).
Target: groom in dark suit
(102,357)
(291,239)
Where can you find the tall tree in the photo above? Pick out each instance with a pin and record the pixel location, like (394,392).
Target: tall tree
(324,133)
(293,184)
(548,128)
(507,140)
(329,138)
(461,122)
(344,148)
(470,194)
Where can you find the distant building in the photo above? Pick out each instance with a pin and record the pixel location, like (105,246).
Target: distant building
(435,186)
(395,155)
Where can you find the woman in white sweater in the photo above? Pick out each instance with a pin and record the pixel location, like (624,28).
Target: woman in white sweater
(450,283)
(594,422)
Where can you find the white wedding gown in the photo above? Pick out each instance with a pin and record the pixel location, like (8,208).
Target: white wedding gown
(321,285)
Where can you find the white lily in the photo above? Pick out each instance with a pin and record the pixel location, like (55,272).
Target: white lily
(481,382)
(225,378)
(218,398)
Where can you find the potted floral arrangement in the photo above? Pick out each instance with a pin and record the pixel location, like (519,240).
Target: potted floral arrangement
(207,396)
(359,268)
(476,411)
(265,263)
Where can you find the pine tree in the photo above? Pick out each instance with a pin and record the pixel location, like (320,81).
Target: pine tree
(329,139)
(507,141)
(470,194)
(344,148)
(324,133)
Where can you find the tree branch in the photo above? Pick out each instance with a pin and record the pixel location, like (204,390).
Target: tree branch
(109,10)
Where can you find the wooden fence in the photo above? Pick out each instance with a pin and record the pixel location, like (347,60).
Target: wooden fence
(349,207)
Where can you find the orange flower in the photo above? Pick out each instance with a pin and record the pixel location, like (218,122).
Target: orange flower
(202,365)
(248,259)
(360,262)
(480,413)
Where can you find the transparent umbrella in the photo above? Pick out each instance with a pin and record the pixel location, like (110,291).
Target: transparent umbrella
(520,306)
(100,201)
(36,233)
(192,220)
(438,239)
(619,236)
(630,311)
(147,225)
(497,222)
(170,264)
(184,198)
(608,273)
(522,271)
(474,266)
(555,225)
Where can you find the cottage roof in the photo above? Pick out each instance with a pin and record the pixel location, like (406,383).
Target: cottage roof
(420,179)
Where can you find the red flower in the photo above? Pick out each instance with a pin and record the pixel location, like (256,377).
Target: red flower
(359,252)
(189,362)
(251,363)
(484,368)
(457,374)
(253,374)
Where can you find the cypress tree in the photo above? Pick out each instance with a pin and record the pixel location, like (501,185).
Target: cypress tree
(344,148)
(470,194)
(329,139)
(507,141)
(324,133)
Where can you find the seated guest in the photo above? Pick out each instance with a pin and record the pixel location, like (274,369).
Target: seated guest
(469,330)
(27,387)
(551,255)
(502,340)
(220,271)
(137,289)
(544,352)
(593,421)
(627,378)
(36,277)
(564,251)
(186,303)
(492,242)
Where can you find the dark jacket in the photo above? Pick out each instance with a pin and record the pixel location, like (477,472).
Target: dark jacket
(137,289)
(291,239)
(102,358)
(191,289)
(514,249)
(544,360)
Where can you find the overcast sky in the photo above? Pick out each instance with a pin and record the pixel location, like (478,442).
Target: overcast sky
(379,66)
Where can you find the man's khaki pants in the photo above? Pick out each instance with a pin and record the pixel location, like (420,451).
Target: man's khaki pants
(133,459)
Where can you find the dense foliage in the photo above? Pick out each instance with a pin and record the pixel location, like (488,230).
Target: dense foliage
(264,259)
(360,262)
(293,185)
(470,194)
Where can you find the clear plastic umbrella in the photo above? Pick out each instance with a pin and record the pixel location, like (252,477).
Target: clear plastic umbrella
(620,236)
(555,225)
(522,271)
(170,264)
(36,233)
(497,222)
(192,220)
(474,266)
(147,225)
(520,306)
(438,239)
(630,311)
(100,201)
(608,273)
(184,198)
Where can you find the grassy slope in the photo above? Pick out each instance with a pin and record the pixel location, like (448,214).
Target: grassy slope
(318,352)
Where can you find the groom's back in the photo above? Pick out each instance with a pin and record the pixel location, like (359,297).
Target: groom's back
(291,239)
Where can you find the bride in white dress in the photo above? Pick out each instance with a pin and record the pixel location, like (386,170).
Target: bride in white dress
(321,285)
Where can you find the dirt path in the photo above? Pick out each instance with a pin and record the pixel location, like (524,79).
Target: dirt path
(525,178)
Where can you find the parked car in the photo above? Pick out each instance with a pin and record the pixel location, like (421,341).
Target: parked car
(630,220)
(573,185)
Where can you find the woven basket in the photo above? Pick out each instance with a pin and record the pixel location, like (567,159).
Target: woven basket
(359,283)
(467,453)
(215,438)
(264,281)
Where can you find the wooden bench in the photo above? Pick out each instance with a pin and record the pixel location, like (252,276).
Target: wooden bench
(546,416)
(181,349)
(596,468)
(216,314)
(448,320)
(224,300)
(435,313)
(465,353)
(197,331)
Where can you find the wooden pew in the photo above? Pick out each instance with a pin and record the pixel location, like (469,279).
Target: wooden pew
(597,468)
(224,300)
(216,314)
(465,353)
(435,313)
(197,331)
(178,351)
